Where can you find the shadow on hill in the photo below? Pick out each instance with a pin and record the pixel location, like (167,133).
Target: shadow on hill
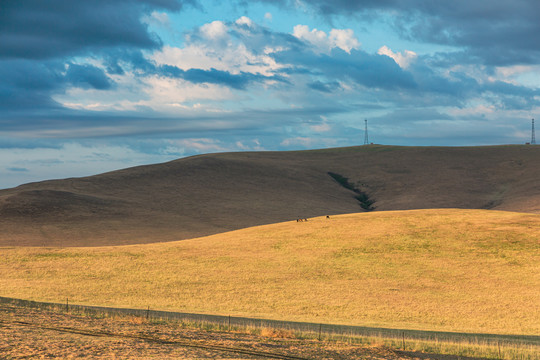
(208,194)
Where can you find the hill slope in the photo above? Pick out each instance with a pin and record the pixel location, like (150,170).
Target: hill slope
(213,193)
(442,269)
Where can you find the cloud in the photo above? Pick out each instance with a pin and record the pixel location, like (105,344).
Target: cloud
(17,169)
(240,76)
(403,59)
(338,38)
(41,39)
(244,21)
(199,145)
(499,32)
(158,18)
(247,49)
(358,67)
(33,29)
(216,31)
(329,87)
(236,81)
(87,76)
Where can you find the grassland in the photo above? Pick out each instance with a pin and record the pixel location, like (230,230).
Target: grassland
(450,270)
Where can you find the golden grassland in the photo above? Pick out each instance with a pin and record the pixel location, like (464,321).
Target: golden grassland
(448,270)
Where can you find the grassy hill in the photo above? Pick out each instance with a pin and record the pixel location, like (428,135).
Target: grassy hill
(450,270)
(213,193)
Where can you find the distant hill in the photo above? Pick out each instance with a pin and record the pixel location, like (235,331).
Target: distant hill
(207,194)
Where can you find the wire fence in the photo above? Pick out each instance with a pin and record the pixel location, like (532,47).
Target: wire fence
(315,328)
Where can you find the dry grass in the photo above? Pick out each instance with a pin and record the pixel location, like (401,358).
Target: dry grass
(453,270)
(38,334)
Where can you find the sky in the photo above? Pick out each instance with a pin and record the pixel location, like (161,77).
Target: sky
(93,86)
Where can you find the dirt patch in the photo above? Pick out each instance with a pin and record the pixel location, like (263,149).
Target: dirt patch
(32,333)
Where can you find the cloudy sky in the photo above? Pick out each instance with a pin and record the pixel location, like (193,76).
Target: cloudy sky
(97,85)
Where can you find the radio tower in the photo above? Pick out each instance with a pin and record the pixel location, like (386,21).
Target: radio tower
(366,139)
(533,138)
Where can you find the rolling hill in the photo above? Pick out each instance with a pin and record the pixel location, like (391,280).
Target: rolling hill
(438,269)
(209,194)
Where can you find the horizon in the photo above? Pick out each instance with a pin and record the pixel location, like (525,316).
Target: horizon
(95,87)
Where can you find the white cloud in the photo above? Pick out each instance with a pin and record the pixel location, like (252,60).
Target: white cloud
(309,142)
(477,110)
(324,127)
(525,75)
(157,18)
(252,145)
(199,145)
(344,39)
(299,140)
(215,30)
(244,20)
(338,38)
(403,59)
(160,94)
(167,91)
(234,58)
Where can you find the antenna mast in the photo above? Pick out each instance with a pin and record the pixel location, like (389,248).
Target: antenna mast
(533,137)
(366,139)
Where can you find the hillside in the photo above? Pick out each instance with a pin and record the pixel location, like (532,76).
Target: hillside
(442,269)
(208,194)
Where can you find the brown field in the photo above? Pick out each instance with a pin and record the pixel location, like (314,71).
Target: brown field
(214,193)
(29,333)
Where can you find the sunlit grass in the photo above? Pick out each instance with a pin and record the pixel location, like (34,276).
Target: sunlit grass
(452,270)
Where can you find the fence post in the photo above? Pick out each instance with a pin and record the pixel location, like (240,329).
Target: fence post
(67,304)
(320,328)
(403,340)
(148,312)
(229,323)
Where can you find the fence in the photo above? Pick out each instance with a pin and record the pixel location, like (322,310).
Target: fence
(316,328)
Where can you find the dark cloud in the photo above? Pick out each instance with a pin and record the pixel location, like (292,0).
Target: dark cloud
(35,29)
(18,169)
(27,84)
(372,71)
(500,32)
(213,76)
(87,76)
(329,87)
(39,38)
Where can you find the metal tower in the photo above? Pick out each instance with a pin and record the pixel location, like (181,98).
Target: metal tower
(533,137)
(366,139)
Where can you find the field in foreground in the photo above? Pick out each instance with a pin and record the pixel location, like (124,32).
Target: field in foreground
(449,270)
(29,333)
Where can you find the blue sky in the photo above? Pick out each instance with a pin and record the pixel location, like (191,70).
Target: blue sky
(92,86)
